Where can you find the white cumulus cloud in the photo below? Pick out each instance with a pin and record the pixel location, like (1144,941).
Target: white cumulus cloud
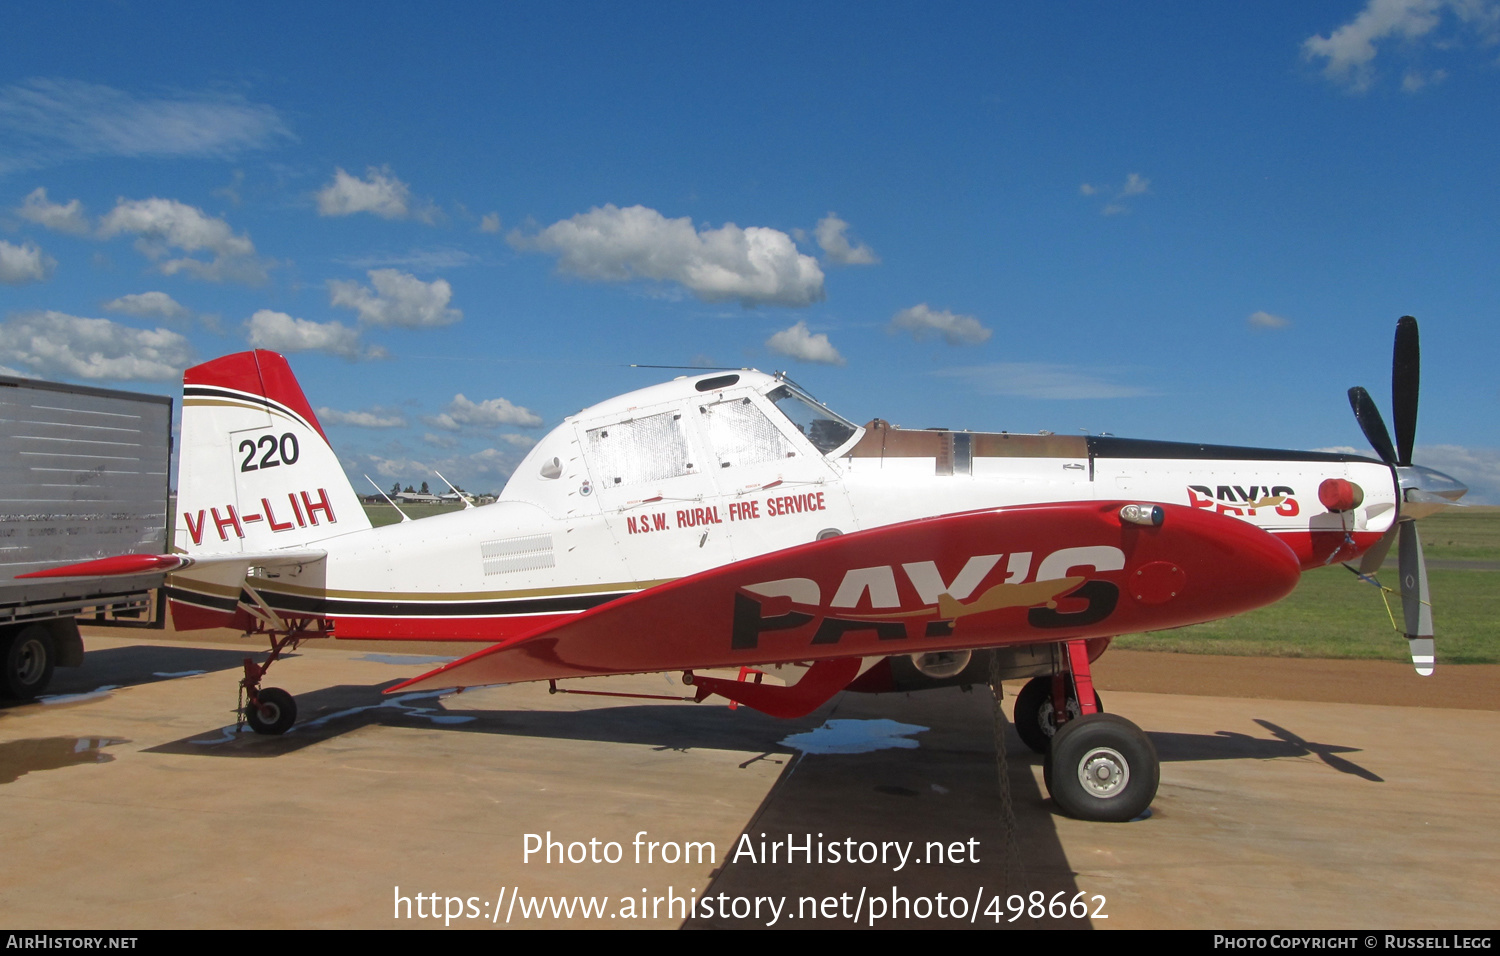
(800,344)
(60,217)
(1348,53)
(1135,185)
(1265,320)
(489,222)
(53,344)
(380,193)
(280,332)
(830,233)
(398,298)
(955,329)
(359,419)
(150,305)
(755,265)
(166,224)
(24,263)
(50,120)
(487,414)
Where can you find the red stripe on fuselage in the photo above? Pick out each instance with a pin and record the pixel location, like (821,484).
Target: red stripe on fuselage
(486,629)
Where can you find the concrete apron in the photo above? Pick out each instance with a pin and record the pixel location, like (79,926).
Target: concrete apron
(136,807)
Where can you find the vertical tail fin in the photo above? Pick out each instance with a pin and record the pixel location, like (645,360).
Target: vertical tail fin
(256,472)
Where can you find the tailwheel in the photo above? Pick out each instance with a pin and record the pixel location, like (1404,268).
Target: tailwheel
(1102,767)
(273,711)
(1035,718)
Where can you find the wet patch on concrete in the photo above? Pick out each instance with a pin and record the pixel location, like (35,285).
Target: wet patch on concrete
(20,757)
(856,737)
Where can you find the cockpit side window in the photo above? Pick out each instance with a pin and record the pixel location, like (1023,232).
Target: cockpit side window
(639,450)
(822,427)
(741,434)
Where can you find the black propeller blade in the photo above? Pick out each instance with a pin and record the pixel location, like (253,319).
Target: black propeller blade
(1372,424)
(1405,376)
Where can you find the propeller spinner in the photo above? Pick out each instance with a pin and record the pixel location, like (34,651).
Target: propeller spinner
(1423,490)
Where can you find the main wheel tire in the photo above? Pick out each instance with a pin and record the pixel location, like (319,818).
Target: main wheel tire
(1102,767)
(1033,715)
(27,658)
(274,714)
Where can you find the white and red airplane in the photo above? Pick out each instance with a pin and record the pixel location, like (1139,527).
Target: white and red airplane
(729,520)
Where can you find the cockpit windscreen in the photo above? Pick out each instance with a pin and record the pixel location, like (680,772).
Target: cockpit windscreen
(822,427)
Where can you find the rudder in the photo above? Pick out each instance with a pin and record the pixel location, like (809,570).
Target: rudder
(256,472)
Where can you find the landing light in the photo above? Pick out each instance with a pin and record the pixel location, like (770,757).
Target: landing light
(1149,515)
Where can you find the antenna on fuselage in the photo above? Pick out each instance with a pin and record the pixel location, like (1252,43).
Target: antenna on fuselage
(694,368)
(461,496)
(388,498)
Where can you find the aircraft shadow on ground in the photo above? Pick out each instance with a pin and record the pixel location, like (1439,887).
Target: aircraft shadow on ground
(332,711)
(944,790)
(111,668)
(1230,745)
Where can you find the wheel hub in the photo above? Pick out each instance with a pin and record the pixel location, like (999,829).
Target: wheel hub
(32,661)
(1103,772)
(1047,717)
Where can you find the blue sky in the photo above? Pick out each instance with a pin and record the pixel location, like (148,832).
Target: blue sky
(463,222)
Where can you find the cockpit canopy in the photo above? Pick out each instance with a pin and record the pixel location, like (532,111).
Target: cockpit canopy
(726,429)
(827,431)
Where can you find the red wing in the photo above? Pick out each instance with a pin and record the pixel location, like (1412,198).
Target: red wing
(1027,574)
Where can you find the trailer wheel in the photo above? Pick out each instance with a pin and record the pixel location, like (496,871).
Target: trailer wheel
(274,714)
(28,656)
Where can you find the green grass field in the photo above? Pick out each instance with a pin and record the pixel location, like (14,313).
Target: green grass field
(1471,534)
(1332,613)
(385,514)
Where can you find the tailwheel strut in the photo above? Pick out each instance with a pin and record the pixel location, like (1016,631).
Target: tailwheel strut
(271,710)
(1099,766)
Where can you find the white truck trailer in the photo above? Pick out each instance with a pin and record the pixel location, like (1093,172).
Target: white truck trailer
(84,474)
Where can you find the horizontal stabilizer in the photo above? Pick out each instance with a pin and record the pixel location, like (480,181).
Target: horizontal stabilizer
(124,564)
(111,567)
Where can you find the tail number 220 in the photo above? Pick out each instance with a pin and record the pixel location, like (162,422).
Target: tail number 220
(277,451)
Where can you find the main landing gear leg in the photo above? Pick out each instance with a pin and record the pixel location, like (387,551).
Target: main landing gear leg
(1049,701)
(271,710)
(1099,766)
